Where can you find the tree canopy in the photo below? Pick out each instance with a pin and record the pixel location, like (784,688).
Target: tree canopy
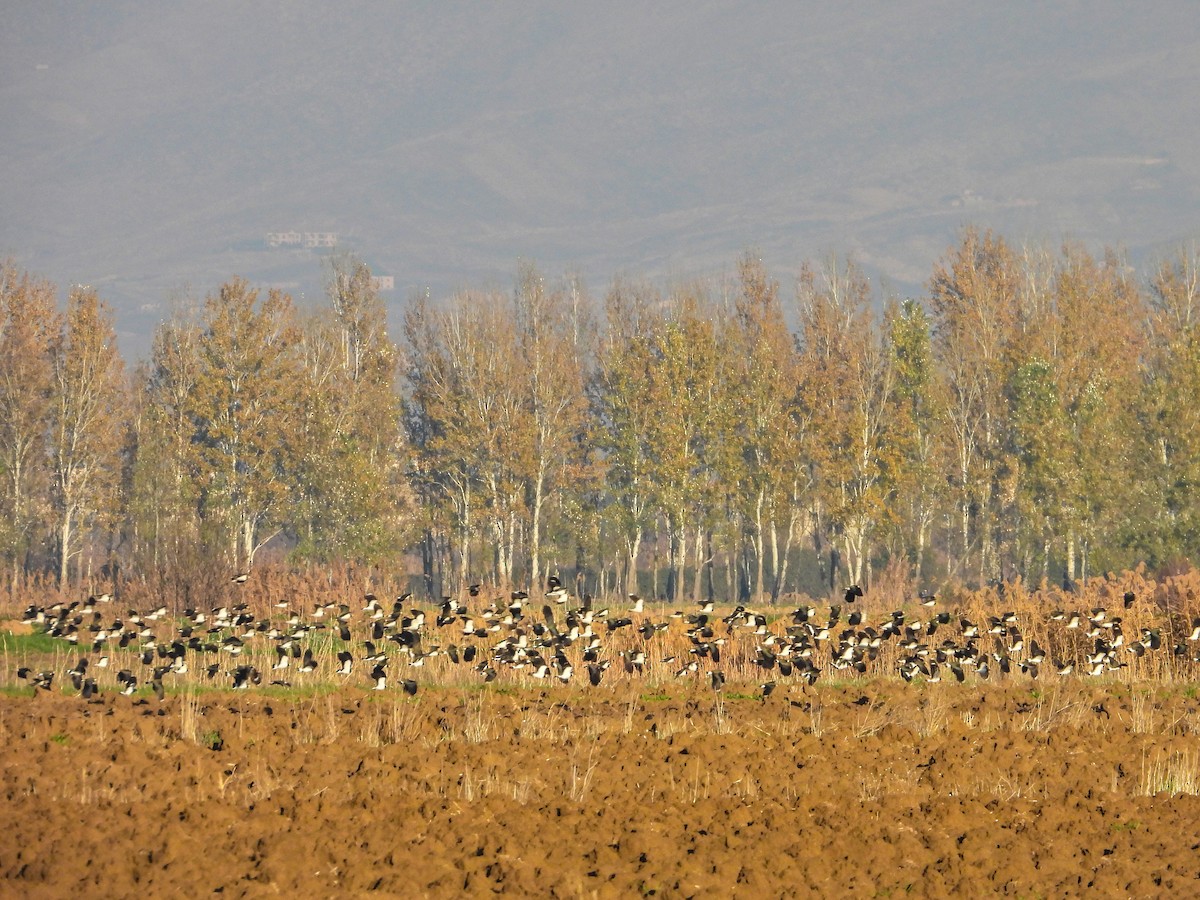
(1033,414)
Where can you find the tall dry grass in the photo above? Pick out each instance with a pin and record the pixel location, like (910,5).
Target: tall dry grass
(1164,605)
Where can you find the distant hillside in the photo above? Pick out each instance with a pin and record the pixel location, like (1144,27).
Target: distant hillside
(149,148)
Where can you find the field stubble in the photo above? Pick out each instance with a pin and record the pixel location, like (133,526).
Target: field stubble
(649,783)
(860,789)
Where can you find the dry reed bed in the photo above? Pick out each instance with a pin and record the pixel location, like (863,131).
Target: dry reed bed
(1166,606)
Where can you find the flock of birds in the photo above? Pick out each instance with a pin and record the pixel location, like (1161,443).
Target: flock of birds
(227,644)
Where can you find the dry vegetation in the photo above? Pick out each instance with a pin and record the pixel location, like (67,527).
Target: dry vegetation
(857,784)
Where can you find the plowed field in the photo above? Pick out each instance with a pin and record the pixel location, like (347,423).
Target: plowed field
(871,788)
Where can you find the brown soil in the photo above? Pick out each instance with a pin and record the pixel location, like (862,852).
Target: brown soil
(866,789)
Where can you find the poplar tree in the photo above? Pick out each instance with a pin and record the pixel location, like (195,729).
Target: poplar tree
(354,498)
(29,326)
(850,390)
(1167,520)
(973,305)
(622,408)
(87,419)
(769,428)
(1096,350)
(466,395)
(688,410)
(920,482)
(244,412)
(549,359)
(163,489)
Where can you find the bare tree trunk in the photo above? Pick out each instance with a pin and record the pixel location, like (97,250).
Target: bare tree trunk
(535,531)
(698,555)
(781,572)
(742,576)
(708,564)
(464,557)
(464,537)
(511,548)
(677,548)
(248,540)
(64,553)
(731,555)
(819,549)
(922,537)
(759,553)
(654,569)
(854,539)
(499,556)
(775,563)
(965,508)
(633,547)
(235,542)
(443,561)
(427,552)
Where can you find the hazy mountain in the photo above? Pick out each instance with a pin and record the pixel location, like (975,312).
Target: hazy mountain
(148,148)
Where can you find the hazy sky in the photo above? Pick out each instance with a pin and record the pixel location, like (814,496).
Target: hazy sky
(149,148)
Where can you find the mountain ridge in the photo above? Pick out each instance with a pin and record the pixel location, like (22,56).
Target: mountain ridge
(158,144)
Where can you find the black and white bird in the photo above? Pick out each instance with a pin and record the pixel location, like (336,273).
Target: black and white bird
(244,676)
(38,679)
(594,671)
(379,676)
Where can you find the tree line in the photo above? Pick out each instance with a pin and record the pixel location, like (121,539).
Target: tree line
(1033,414)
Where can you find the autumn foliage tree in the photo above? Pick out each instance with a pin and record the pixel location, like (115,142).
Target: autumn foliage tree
(163,495)
(1164,520)
(354,500)
(29,325)
(919,481)
(550,347)
(1033,414)
(850,390)
(244,413)
(465,406)
(769,425)
(87,420)
(973,303)
(622,409)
